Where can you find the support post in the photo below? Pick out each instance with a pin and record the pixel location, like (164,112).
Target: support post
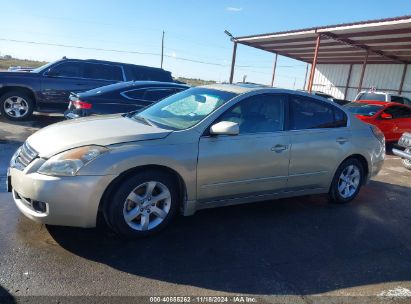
(404,72)
(364,66)
(233,61)
(348,81)
(305,79)
(274,68)
(314,64)
(162,51)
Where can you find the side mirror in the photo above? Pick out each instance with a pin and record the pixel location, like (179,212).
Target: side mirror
(225,128)
(386,116)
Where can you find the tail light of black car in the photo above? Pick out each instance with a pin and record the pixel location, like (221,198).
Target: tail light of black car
(78,104)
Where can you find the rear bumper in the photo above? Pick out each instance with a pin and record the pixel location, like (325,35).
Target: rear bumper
(402,154)
(73,114)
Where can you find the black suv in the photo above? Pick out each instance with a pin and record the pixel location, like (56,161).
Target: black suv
(47,88)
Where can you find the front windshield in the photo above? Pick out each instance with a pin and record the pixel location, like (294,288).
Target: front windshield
(363,109)
(41,68)
(185,109)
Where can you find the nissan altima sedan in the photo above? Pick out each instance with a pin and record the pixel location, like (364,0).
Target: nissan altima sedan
(205,147)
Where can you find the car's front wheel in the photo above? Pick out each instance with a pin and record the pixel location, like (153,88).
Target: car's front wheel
(143,205)
(347,181)
(16,106)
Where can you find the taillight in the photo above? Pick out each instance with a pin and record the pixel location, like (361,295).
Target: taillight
(377,133)
(78,104)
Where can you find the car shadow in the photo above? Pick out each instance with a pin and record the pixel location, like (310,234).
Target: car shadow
(6,297)
(38,120)
(291,246)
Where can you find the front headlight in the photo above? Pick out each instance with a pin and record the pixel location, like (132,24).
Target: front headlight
(68,163)
(14,157)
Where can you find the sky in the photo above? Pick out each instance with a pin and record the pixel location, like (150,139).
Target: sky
(194,41)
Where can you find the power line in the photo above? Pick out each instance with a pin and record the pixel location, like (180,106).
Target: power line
(136,52)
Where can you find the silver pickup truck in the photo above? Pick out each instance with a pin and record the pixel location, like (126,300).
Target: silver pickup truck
(405,142)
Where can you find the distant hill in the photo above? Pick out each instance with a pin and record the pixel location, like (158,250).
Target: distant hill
(7,61)
(194,81)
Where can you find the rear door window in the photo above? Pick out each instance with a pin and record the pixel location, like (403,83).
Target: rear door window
(308,113)
(137,94)
(398,112)
(103,71)
(397,99)
(158,94)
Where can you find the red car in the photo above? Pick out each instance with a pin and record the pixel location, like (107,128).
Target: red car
(391,118)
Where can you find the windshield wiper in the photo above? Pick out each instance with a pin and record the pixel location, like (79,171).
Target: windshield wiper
(143,120)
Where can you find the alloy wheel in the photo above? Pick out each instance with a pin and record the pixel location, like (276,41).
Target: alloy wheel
(16,106)
(349,181)
(147,206)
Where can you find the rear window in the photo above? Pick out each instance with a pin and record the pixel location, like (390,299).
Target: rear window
(371,96)
(142,73)
(363,108)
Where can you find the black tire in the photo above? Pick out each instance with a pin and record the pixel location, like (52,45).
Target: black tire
(334,193)
(113,211)
(406,162)
(16,94)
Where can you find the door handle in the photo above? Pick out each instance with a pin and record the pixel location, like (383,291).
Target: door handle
(279,148)
(341,140)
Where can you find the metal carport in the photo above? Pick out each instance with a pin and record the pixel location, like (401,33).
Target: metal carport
(384,41)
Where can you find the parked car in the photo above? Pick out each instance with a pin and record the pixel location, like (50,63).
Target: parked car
(204,147)
(47,88)
(382,96)
(120,98)
(391,118)
(329,97)
(20,69)
(405,142)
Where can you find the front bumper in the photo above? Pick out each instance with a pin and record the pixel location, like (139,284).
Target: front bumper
(69,201)
(402,154)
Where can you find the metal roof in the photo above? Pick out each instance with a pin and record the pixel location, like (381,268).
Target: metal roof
(386,40)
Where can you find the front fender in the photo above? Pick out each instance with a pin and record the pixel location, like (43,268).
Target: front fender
(181,158)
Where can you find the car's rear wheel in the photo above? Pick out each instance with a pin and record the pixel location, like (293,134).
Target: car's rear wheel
(143,205)
(16,106)
(347,181)
(406,162)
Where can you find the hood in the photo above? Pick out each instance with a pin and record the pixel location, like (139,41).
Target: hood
(101,130)
(18,74)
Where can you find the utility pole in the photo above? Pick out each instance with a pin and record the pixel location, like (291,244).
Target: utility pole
(162,50)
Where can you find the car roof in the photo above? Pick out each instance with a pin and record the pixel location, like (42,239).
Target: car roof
(239,89)
(114,63)
(130,85)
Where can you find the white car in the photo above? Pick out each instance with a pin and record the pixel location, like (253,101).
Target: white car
(382,96)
